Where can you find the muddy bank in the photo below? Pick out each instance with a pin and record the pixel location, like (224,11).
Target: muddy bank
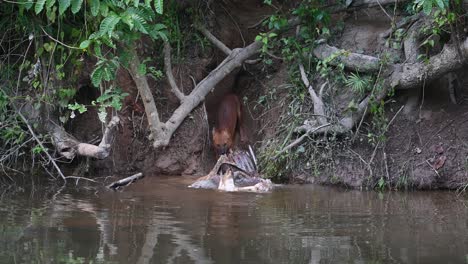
(424,144)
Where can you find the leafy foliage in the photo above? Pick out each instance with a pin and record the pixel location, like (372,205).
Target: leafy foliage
(428,5)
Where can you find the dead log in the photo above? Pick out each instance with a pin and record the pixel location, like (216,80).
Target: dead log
(69,147)
(126,181)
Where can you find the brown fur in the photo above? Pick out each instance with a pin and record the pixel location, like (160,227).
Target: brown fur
(229,118)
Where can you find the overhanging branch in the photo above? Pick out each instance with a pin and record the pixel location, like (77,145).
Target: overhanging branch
(168,66)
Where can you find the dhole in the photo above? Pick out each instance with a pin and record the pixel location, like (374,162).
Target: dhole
(229,117)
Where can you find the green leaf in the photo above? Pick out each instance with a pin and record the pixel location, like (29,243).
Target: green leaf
(108,24)
(76,106)
(63,6)
(94,6)
(96,76)
(85,44)
(158,5)
(76,6)
(39,6)
(102,115)
(50,3)
(104,9)
(441,4)
(142,69)
(97,50)
(427,7)
(28,4)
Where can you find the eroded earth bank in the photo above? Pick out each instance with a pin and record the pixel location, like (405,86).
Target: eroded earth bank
(361,95)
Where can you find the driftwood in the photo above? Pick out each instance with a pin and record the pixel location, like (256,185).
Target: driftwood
(126,181)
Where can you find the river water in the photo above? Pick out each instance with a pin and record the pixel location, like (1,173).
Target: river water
(159,220)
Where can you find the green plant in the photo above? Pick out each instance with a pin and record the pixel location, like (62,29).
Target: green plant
(359,84)
(111,98)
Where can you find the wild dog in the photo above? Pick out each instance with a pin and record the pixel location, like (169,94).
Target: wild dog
(229,117)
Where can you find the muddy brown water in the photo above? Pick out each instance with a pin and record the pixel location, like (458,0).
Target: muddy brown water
(159,220)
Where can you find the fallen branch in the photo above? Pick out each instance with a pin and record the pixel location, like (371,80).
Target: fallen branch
(126,181)
(69,147)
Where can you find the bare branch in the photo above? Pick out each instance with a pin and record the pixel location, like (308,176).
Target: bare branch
(168,66)
(319,107)
(234,60)
(220,45)
(156,127)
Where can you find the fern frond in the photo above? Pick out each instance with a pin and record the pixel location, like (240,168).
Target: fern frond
(108,24)
(158,5)
(96,76)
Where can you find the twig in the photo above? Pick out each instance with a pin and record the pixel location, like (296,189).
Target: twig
(168,66)
(386,166)
(58,41)
(235,23)
(24,59)
(40,144)
(300,139)
(393,119)
(383,9)
(362,159)
(258,23)
(81,178)
(432,167)
(385,130)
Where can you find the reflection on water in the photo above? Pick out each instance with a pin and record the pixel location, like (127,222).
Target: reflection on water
(159,220)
